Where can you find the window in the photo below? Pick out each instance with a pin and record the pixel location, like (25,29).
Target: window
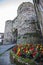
(27,21)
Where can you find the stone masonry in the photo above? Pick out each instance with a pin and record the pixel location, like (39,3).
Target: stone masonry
(26,25)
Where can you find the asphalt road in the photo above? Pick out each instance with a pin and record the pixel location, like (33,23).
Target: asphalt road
(5,60)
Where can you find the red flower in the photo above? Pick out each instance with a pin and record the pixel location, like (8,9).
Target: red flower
(24,50)
(14,49)
(34,54)
(32,48)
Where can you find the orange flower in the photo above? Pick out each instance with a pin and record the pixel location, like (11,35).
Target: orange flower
(19,54)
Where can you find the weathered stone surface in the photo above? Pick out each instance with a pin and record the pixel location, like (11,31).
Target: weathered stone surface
(8,32)
(39,12)
(24,7)
(10,35)
(25,23)
(26,14)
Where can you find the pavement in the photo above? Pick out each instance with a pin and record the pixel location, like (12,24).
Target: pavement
(5,59)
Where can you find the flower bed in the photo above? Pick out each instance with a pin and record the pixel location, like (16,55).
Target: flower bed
(27,54)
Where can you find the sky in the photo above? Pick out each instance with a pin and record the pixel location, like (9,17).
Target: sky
(8,11)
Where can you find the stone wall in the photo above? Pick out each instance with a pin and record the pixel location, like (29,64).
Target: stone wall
(25,25)
(8,32)
(39,12)
(26,22)
(26,13)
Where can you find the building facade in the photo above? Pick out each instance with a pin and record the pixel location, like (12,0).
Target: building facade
(1,38)
(38,5)
(24,28)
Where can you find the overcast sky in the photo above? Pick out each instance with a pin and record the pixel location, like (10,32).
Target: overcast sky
(8,11)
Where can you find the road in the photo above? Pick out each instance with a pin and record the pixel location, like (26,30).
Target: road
(5,60)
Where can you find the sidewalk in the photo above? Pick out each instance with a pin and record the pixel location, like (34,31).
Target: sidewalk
(5,60)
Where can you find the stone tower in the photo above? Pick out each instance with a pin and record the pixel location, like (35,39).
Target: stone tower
(38,5)
(26,25)
(8,32)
